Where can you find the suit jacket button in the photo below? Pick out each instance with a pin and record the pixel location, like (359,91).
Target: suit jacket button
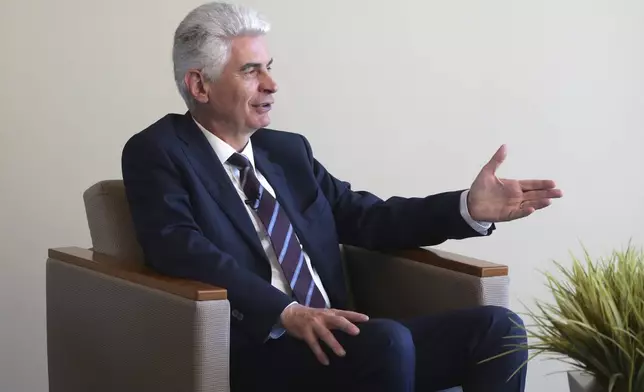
(237,314)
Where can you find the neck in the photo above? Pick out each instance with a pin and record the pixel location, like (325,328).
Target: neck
(233,136)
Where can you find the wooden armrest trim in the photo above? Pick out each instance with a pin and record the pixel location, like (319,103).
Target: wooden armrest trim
(99,262)
(453,262)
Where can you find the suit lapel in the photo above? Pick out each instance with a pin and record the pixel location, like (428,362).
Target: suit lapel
(275,177)
(214,177)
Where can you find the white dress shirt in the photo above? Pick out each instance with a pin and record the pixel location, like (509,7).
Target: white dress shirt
(278,280)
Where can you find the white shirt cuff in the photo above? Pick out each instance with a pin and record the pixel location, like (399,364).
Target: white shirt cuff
(278,330)
(481,227)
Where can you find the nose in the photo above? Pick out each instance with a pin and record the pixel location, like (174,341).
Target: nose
(267,84)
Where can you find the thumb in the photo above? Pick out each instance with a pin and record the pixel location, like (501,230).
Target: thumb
(497,159)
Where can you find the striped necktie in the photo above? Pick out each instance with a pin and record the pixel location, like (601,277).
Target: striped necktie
(280,230)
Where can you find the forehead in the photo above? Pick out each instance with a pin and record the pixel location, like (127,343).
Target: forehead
(249,49)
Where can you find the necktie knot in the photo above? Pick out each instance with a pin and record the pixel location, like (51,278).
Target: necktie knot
(240,161)
(249,183)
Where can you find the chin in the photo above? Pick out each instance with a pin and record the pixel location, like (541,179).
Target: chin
(259,123)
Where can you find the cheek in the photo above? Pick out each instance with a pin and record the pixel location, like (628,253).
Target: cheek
(250,91)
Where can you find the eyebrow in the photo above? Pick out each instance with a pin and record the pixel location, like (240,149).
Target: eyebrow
(248,66)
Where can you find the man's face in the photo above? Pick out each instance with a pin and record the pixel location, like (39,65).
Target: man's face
(242,96)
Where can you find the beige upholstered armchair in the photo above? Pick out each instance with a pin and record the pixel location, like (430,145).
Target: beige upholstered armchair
(114,325)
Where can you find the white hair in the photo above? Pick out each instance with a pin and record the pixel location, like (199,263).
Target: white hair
(203,40)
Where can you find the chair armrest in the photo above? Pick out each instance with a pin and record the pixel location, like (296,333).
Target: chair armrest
(404,284)
(117,327)
(132,272)
(453,262)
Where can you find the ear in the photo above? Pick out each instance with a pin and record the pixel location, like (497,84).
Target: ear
(197,85)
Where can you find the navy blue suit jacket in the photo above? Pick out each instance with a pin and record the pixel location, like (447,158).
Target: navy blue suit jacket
(192,224)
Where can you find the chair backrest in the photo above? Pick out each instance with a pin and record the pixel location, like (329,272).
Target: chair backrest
(112,230)
(110,222)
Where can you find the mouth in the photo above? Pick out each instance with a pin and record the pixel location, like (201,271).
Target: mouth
(263,107)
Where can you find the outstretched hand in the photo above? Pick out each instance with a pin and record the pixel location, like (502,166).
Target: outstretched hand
(493,199)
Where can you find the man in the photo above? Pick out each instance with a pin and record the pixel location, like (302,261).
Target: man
(217,197)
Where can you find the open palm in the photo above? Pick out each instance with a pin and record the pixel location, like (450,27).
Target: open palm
(493,199)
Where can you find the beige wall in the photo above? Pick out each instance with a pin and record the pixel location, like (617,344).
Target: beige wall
(384,91)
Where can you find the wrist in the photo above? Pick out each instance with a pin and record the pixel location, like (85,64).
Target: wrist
(470,208)
(287,310)
(467,203)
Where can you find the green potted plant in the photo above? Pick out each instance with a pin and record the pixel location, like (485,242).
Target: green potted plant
(596,323)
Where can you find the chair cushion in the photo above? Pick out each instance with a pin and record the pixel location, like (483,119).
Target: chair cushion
(110,223)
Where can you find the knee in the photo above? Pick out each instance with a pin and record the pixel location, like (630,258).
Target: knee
(389,339)
(503,319)
(505,326)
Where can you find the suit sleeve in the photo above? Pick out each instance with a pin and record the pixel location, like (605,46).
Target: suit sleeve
(174,245)
(362,219)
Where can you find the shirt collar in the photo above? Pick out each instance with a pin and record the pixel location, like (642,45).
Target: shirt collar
(224,150)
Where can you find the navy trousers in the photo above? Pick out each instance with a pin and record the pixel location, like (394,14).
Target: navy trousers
(424,354)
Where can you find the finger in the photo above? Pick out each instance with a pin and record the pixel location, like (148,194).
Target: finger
(536,204)
(531,185)
(341,323)
(528,207)
(352,316)
(327,337)
(542,194)
(497,159)
(311,339)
